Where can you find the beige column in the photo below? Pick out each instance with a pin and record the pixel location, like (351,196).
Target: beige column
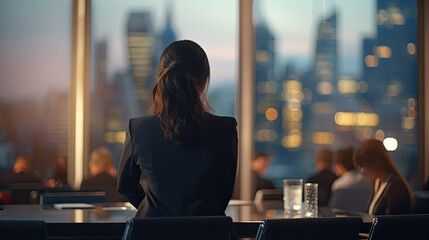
(246,97)
(79,92)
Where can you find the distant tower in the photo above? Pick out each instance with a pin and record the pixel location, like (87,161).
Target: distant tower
(168,35)
(141,49)
(395,52)
(98,96)
(267,89)
(325,59)
(320,128)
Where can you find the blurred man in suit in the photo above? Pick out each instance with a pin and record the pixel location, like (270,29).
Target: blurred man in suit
(21,173)
(260,163)
(103,175)
(324,176)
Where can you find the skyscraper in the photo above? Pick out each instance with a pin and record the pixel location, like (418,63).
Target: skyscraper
(322,84)
(267,88)
(168,35)
(141,49)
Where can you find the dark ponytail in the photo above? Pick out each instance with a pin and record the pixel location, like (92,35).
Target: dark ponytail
(178,96)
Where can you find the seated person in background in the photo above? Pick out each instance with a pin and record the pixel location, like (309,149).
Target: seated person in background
(21,173)
(260,163)
(103,175)
(392,194)
(351,190)
(324,177)
(60,171)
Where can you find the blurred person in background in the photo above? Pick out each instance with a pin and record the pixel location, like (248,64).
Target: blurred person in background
(22,172)
(351,190)
(391,193)
(324,176)
(260,162)
(103,175)
(59,171)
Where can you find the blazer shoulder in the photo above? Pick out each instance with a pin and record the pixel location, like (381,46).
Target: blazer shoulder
(144,122)
(224,121)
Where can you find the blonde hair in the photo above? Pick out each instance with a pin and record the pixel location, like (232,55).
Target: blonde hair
(102,157)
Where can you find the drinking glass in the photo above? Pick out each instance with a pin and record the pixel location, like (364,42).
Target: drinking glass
(292,197)
(310,199)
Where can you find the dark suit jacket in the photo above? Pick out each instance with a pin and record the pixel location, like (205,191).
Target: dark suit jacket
(103,182)
(260,183)
(188,179)
(395,198)
(324,178)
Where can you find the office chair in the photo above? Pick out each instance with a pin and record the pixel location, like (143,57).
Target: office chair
(190,228)
(23,230)
(339,228)
(392,227)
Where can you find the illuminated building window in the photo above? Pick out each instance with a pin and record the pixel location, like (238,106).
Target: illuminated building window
(411,48)
(371,61)
(271,114)
(383,52)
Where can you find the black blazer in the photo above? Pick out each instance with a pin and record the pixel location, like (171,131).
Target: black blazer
(395,198)
(163,178)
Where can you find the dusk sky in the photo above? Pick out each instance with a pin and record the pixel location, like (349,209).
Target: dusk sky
(35,35)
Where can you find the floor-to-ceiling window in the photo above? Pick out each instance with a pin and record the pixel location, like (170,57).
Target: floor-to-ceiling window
(331,74)
(35,69)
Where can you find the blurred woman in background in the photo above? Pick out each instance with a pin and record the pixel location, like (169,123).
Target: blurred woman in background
(391,194)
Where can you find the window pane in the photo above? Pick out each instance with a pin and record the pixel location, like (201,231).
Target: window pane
(128,38)
(35,61)
(331,74)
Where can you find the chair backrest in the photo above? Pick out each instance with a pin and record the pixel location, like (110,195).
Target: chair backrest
(22,229)
(190,228)
(392,227)
(339,228)
(269,195)
(47,200)
(422,202)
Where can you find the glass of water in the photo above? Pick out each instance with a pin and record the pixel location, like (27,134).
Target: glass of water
(292,197)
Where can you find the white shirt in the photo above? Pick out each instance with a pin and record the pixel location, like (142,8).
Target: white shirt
(351,191)
(352,179)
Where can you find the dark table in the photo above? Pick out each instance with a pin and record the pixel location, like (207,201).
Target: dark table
(107,221)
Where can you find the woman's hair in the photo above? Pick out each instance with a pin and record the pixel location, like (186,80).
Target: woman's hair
(373,154)
(179,98)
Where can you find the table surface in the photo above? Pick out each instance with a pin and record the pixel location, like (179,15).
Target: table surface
(239,211)
(246,216)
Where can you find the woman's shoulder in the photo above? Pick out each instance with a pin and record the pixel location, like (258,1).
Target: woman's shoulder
(221,120)
(144,122)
